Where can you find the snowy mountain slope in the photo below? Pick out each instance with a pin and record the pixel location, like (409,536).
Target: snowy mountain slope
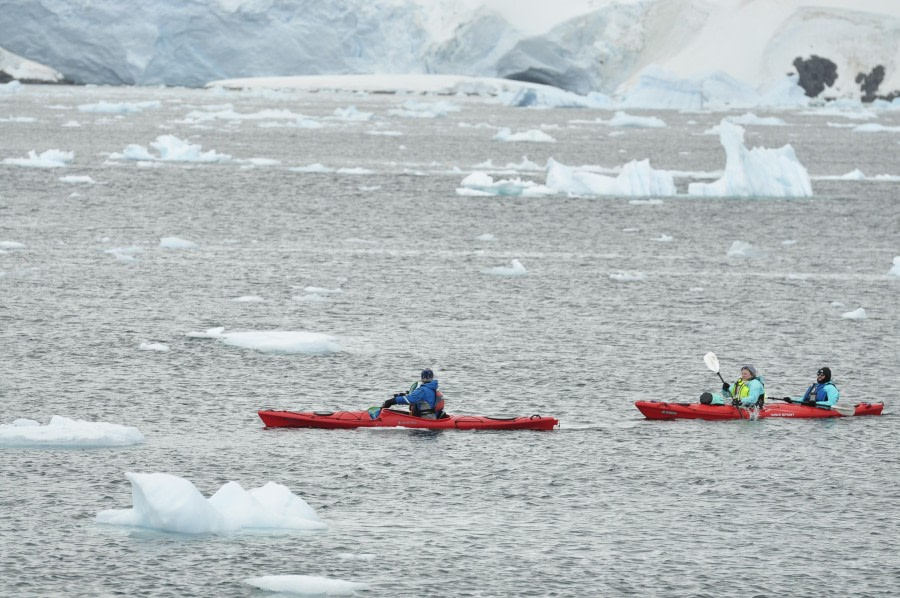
(604,47)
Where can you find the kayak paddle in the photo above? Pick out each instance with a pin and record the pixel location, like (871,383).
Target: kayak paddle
(712,362)
(374,412)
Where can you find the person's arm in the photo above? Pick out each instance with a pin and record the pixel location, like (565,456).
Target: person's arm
(756,389)
(419,394)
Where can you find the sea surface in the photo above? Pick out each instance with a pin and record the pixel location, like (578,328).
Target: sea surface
(610,504)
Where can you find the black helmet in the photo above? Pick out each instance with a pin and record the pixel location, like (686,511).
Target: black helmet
(427,374)
(825,372)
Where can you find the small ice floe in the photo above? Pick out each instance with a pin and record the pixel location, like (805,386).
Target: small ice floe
(895,268)
(481,184)
(65,432)
(623,276)
(385,133)
(312,169)
(170,149)
(623,119)
(18,119)
(177,243)
(85,179)
(306,585)
(875,128)
(72,124)
(11,245)
(788,242)
(52,158)
(274,341)
(356,170)
(515,268)
(743,249)
(751,119)
(645,202)
(351,114)
(857,314)
(757,172)
(248,299)
(637,179)
(351,556)
(119,107)
(172,504)
(533,135)
(837,304)
(159,347)
(311,298)
(260,162)
(415,109)
(664,238)
(696,289)
(486,237)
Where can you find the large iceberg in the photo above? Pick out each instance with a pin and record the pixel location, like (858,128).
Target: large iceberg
(757,172)
(637,179)
(172,504)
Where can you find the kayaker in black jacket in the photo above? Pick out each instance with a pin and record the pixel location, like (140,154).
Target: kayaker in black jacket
(821,393)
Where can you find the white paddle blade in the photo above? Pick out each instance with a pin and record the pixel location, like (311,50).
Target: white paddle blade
(845,410)
(712,362)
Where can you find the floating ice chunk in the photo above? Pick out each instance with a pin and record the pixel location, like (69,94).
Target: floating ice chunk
(18,119)
(837,304)
(274,341)
(854,175)
(52,158)
(875,128)
(751,119)
(363,556)
(533,135)
(664,238)
(623,119)
(311,298)
(77,179)
(123,254)
(857,314)
(482,184)
(415,109)
(323,291)
(637,179)
(759,172)
(11,245)
(515,268)
(485,237)
(895,268)
(623,276)
(65,432)
(248,299)
(171,149)
(119,107)
(173,504)
(351,113)
(789,242)
(645,202)
(312,169)
(159,347)
(306,585)
(176,243)
(355,170)
(550,97)
(743,249)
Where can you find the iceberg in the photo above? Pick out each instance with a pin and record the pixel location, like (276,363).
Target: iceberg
(637,179)
(758,172)
(65,432)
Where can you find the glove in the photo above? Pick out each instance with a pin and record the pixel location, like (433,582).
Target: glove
(808,402)
(399,394)
(736,402)
(788,400)
(389,403)
(726,387)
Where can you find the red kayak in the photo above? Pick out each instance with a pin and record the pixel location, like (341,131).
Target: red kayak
(663,410)
(388,418)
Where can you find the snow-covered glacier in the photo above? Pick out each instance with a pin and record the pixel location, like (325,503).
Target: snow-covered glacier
(836,48)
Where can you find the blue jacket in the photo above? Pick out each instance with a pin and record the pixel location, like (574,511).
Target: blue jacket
(754,388)
(825,395)
(424,397)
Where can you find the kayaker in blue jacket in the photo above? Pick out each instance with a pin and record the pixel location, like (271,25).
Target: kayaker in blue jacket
(821,393)
(748,390)
(424,399)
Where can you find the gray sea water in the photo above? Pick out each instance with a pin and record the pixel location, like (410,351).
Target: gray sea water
(609,504)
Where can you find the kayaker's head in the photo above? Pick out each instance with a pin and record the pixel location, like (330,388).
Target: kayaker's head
(823,375)
(427,375)
(748,372)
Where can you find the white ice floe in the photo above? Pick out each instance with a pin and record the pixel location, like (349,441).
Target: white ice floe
(323,291)
(86,179)
(759,172)
(486,237)
(895,268)
(52,158)
(65,432)
(637,179)
(306,585)
(416,109)
(552,97)
(664,238)
(172,504)
(532,135)
(354,170)
(623,276)
(312,169)
(749,118)
(481,184)
(159,347)
(11,245)
(119,107)
(18,119)
(177,243)
(515,268)
(875,128)
(248,299)
(311,298)
(170,149)
(857,314)
(743,249)
(274,341)
(623,119)
(124,254)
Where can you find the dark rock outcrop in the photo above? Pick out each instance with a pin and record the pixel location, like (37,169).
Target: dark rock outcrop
(868,85)
(815,73)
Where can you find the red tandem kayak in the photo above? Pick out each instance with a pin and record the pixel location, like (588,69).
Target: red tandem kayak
(389,418)
(663,410)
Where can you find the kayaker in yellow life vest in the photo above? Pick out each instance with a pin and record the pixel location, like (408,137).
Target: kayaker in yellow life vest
(748,390)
